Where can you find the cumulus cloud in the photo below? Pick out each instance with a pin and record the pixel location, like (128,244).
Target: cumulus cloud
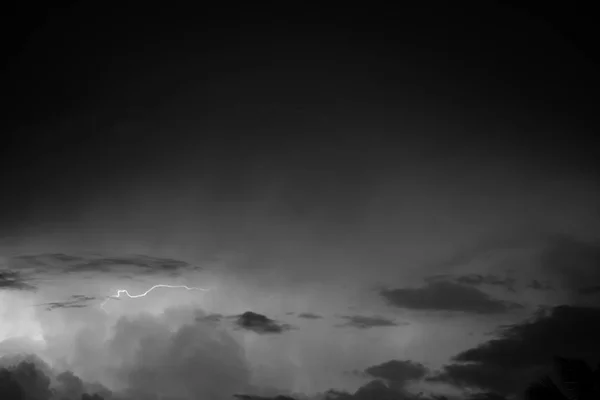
(194,361)
(174,355)
(447,296)
(260,323)
(524,351)
(366,322)
(27,377)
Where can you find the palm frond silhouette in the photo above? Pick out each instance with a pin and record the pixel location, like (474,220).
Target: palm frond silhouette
(578,381)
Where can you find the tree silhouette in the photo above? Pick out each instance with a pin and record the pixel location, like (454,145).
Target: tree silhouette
(578,382)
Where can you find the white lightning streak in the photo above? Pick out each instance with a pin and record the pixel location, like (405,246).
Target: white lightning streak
(124,291)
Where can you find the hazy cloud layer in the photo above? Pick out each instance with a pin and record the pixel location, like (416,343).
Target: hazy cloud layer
(140,264)
(447,296)
(575,263)
(523,351)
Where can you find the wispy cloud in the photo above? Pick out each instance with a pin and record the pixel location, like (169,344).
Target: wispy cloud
(139,264)
(366,322)
(474,279)
(75,301)
(14,280)
(309,316)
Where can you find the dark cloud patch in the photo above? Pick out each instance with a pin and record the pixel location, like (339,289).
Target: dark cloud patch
(309,316)
(398,372)
(151,264)
(575,263)
(14,280)
(375,389)
(75,301)
(524,351)
(366,322)
(215,317)
(260,323)
(254,397)
(64,263)
(447,296)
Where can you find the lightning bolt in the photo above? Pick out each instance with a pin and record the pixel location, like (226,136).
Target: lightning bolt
(136,296)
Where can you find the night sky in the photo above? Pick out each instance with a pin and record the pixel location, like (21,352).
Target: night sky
(379,202)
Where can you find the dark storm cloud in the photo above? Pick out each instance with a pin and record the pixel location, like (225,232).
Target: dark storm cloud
(575,263)
(64,263)
(366,322)
(524,351)
(447,296)
(75,301)
(260,323)
(309,316)
(14,280)
(29,377)
(399,372)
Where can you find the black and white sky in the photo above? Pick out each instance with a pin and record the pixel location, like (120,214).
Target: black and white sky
(379,202)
